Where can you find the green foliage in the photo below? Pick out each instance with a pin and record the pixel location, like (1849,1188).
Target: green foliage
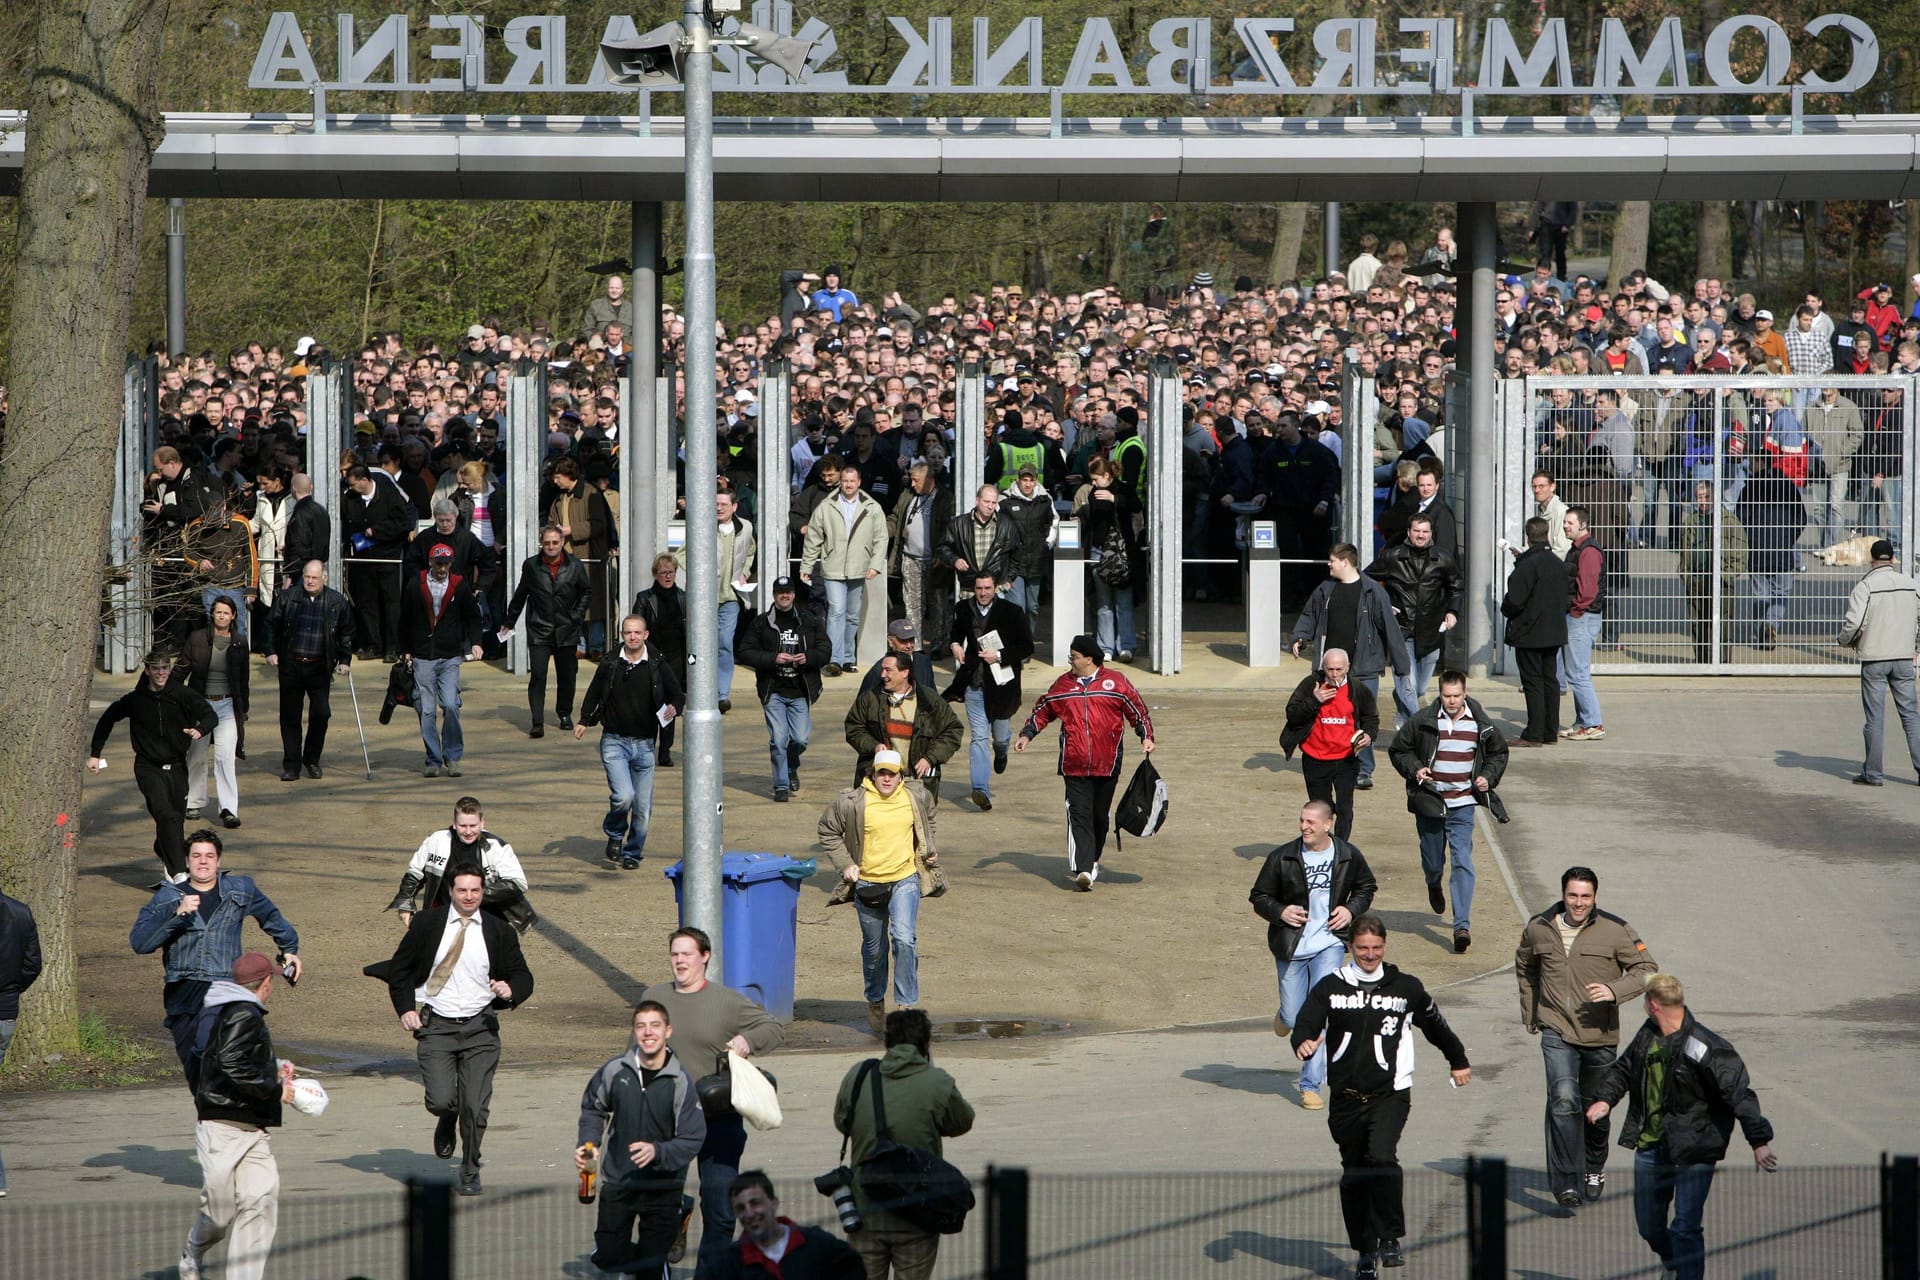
(1670,245)
(107,1057)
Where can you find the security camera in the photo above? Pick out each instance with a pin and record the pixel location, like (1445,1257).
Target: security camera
(785,52)
(651,61)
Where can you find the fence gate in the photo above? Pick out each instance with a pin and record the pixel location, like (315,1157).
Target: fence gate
(1736,513)
(127,629)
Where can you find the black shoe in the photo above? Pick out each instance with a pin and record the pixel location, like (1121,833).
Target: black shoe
(566,724)
(665,759)
(1462,939)
(1390,1254)
(1594,1186)
(1367,1268)
(313,770)
(981,801)
(780,795)
(629,863)
(239,753)
(470,1184)
(793,781)
(615,846)
(999,759)
(537,731)
(1569,1199)
(726,705)
(831,669)
(1363,784)
(444,1134)
(229,819)
(193,811)
(290,774)
(1436,898)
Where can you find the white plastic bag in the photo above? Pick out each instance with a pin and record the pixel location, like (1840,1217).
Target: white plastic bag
(309,1097)
(753,1094)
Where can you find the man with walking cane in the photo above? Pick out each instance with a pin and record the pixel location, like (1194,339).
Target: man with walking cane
(310,640)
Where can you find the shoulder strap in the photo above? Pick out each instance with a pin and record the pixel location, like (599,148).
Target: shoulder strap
(871,1067)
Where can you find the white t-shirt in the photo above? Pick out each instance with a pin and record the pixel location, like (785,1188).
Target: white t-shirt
(1316,937)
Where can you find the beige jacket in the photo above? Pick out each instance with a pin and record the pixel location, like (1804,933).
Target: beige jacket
(843,829)
(1554,981)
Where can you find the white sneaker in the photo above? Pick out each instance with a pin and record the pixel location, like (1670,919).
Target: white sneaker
(1084,880)
(1095,873)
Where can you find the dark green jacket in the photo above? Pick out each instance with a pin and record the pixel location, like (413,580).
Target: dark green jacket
(923,1106)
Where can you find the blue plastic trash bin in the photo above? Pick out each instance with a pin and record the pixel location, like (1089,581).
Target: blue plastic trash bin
(759,920)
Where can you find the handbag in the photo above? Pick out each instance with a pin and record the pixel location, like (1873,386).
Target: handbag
(715,1091)
(1114,567)
(909,1181)
(1143,806)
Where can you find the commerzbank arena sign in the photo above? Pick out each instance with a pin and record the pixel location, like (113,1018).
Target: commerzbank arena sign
(538,54)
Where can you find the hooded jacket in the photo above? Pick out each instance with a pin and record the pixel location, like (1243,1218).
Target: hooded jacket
(235,1076)
(923,1106)
(157,720)
(1368,1028)
(619,1108)
(1554,980)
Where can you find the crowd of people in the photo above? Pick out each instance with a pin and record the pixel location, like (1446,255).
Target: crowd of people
(239,543)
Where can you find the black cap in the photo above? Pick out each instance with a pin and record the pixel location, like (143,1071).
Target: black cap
(782,583)
(1086,645)
(1882,550)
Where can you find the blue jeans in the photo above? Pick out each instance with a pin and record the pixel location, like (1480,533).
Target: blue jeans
(1113,617)
(979,750)
(1297,977)
(789,721)
(1771,592)
(1892,512)
(6,1037)
(1409,689)
(846,601)
(1441,836)
(1876,678)
(436,687)
(1026,593)
(1658,1187)
(1574,1147)
(233,596)
(729,622)
(1582,633)
(1365,755)
(893,922)
(629,765)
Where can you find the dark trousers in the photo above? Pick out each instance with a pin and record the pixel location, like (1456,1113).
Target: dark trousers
(304,686)
(457,1059)
(184,998)
(1332,781)
(1574,1147)
(1367,1131)
(375,591)
(1541,686)
(1669,1208)
(634,1230)
(566,667)
(719,1163)
(164,786)
(1089,812)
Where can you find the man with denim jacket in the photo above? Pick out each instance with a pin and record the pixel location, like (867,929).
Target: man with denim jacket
(197,925)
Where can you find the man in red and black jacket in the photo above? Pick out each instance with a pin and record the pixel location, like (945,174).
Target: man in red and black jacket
(440,626)
(1329,719)
(1094,705)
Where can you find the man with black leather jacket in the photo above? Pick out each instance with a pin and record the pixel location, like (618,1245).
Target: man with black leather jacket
(1424,584)
(238,1089)
(1685,1088)
(555,590)
(1309,892)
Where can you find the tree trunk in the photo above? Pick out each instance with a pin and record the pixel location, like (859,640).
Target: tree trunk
(1713,240)
(93,121)
(1289,229)
(1630,227)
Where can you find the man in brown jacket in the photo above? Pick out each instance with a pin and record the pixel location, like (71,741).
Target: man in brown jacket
(1576,964)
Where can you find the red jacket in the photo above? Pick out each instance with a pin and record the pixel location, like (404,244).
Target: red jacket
(1092,720)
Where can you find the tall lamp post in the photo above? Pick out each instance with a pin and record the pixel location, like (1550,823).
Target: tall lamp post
(680,54)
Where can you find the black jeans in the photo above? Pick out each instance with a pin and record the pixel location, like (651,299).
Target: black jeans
(1541,685)
(375,590)
(566,668)
(618,1247)
(1089,812)
(457,1061)
(308,683)
(1332,781)
(164,788)
(1367,1131)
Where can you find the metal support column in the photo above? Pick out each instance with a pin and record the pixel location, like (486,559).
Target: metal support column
(176,276)
(1486,1216)
(1330,236)
(701,773)
(1069,590)
(129,563)
(526,441)
(639,412)
(1166,525)
(775,491)
(1480,252)
(1008,1207)
(329,420)
(969,435)
(666,462)
(1359,406)
(1900,1218)
(1265,644)
(429,1229)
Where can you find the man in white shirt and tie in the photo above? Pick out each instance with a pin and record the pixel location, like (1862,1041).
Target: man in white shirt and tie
(454,968)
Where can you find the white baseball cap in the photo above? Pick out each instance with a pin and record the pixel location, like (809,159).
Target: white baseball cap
(887,761)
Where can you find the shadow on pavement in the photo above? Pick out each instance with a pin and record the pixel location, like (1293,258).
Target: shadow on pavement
(1832,766)
(1313,1257)
(175,1168)
(1271,761)
(1052,867)
(1261,1080)
(625,989)
(398,1163)
(1255,852)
